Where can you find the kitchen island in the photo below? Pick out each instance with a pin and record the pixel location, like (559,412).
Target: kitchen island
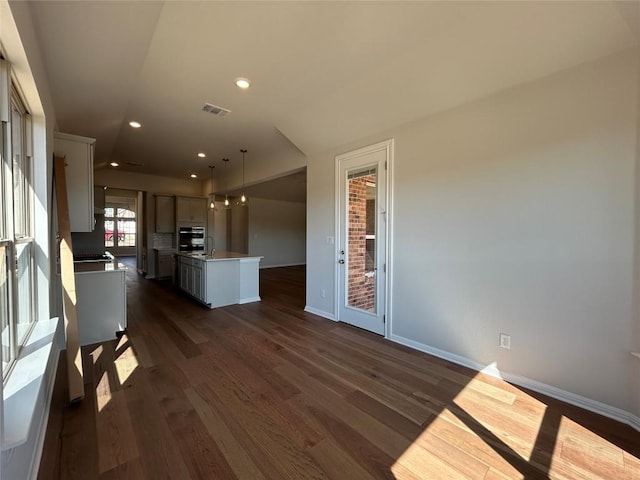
(224,278)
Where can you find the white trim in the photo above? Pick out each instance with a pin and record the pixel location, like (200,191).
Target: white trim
(262,267)
(389,260)
(389,147)
(549,390)
(336,235)
(320,313)
(254,259)
(44,420)
(22,388)
(242,301)
(634,421)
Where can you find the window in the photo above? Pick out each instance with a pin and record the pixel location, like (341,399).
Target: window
(119,227)
(17,290)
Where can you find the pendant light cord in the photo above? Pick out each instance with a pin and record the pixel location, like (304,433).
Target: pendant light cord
(243,199)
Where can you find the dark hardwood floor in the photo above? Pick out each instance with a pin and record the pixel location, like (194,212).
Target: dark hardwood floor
(266,391)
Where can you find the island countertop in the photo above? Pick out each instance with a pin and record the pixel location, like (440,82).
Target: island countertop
(92,267)
(219,256)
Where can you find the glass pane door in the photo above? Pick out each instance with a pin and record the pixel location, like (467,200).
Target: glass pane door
(361,239)
(362,230)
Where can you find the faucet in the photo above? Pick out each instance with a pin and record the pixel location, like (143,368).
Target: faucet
(212,250)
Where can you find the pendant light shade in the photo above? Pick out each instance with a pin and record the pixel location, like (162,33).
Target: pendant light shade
(243,198)
(212,195)
(227,204)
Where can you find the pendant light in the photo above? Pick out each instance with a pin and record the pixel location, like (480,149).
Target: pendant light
(212,195)
(226,181)
(243,198)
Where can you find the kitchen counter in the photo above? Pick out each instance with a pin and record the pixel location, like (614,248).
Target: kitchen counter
(93,267)
(218,256)
(223,278)
(101,300)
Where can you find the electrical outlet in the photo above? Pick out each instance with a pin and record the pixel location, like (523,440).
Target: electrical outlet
(323,293)
(505,341)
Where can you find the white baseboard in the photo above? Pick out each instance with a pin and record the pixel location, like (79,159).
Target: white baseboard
(551,391)
(634,421)
(320,313)
(248,300)
(282,265)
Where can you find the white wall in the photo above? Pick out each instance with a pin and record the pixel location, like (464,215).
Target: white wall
(277,231)
(634,378)
(259,166)
(114,178)
(237,229)
(513,214)
(217,226)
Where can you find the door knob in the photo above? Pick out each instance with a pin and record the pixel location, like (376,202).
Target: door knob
(341,261)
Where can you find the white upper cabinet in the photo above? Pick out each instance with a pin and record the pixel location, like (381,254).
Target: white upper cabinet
(165,214)
(78,153)
(191,210)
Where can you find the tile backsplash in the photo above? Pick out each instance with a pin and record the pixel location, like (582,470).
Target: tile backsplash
(90,242)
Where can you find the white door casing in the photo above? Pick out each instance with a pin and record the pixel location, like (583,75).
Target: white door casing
(363,223)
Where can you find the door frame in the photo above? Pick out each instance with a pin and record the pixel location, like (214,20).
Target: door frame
(388,146)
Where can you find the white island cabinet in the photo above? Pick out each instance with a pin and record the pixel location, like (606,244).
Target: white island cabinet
(226,278)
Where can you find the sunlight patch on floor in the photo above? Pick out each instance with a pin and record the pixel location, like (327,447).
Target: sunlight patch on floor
(96,353)
(576,443)
(419,462)
(103,392)
(127,361)
(449,448)
(490,428)
(103,387)
(509,420)
(493,416)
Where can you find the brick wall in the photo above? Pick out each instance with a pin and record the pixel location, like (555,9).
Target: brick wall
(361,291)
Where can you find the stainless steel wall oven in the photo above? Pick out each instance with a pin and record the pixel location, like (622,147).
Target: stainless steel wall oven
(191,239)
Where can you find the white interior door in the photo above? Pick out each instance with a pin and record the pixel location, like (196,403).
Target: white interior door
(362,237)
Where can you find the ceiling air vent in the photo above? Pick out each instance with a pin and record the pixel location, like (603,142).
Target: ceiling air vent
(215,110)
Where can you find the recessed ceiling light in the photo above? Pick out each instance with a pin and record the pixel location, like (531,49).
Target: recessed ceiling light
(193,175)
(243,83)
(114,164)
(202,155)
(135,124)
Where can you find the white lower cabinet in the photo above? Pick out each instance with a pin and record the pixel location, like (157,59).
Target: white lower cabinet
(186,277)
(101,305)
(191,278)
(198,282)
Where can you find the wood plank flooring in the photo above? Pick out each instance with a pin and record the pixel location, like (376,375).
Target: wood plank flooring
(266,391)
